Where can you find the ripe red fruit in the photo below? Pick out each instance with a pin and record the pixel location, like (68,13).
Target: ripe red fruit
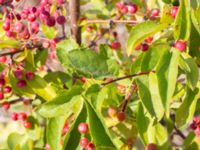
(21,84)
(174,11)
(6,105)
(22,116)
(47,147)
(151,146)
(145,47)
(2,82)
(120,5)
(193,126)
(83,128)
(3,59)
(1,96)
(18,74)
(61,20)
(112,111)
(149,39)
(90,146)
(138,47)
(65,128)
(14,116)
(51,21)
(7,89)
(121,116)
(89,28)
(31,17)
(180,45)
(124,10)
(84,142)
(29,75)
(19,27)
(27,124)
(115,45)
(132,8)
(6,26)
(155,12)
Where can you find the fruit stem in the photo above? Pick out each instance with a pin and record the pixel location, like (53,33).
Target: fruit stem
(126,77)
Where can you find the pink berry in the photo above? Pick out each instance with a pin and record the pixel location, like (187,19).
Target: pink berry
(3,59)
(132,8)
(6,26)
(29,75)
(7,89)
(27,124)
(44,2)
(83,128)
(121,116)
(151,146)
(90,146)
(21,84)
(22,116)
(174,11)
(155,12)
(6,105)
(60,2)
(84,142)
(89,29)
(1,96)
(1,2)
(18,74)
(145,47)
(115,45)
(61,20)
(180,45)
(112,111)
(31,17)
(124,10)
(47,147)
(149,39)
(14,116)
(120,5)
(19,27)
(65,129)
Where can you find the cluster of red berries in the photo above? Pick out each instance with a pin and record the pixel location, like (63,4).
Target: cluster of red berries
(84,142)
(144,46)
(126,8)
(19,74)
(23,117)
(195,125)
(25,24)
(112,112)
(4,91)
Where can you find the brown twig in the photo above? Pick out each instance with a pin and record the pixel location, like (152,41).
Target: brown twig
(113,21)
(126,77)
(74,13)
(10,53)
(129,96)
(178,132)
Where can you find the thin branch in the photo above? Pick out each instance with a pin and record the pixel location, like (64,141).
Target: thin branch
(179,132)
(74,11)
(126,77)
(113,21)
(128,97)
(10,53)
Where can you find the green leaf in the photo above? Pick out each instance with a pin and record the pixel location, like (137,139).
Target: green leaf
(73,136)
(40,57)
(54,132)
(182,23)
(87,62)
(42,88)
(61,104)
(18,141)
(2,67)
(192,72)
(8,43)
(100,138)
(150,99)
(67,45)
(167,73)
(187,109)
(50,33)
(141,31)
